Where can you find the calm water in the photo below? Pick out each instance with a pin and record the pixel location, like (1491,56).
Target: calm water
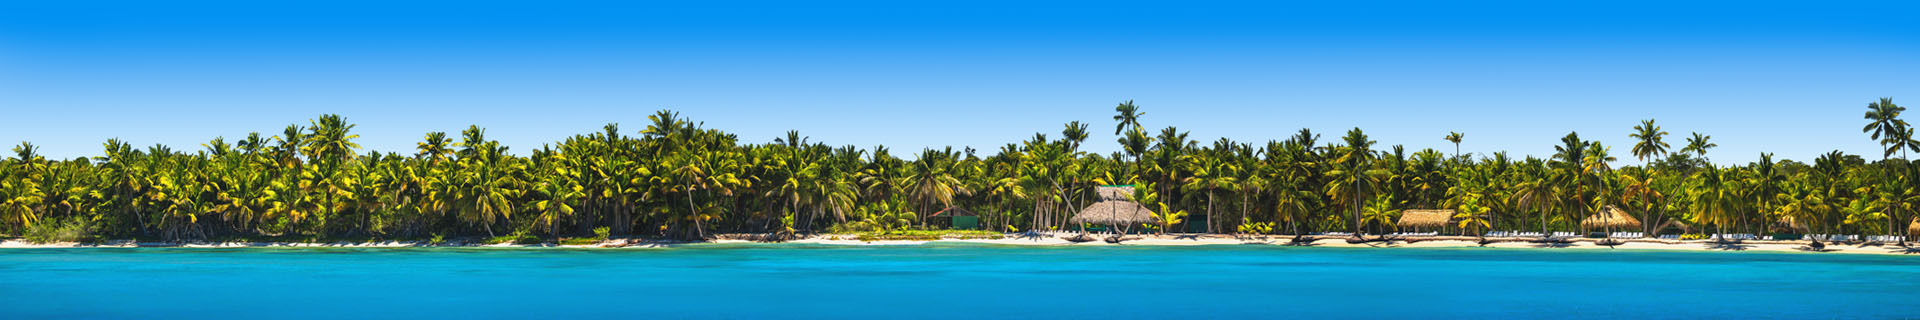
(950,281)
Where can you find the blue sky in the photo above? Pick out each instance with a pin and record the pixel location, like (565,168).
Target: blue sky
(1791,78)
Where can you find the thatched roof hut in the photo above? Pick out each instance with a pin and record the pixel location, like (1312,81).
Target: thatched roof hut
(1121,213)
(1425,218)
(1610,216)
(1115,193)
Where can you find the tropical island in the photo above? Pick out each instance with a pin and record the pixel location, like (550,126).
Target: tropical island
(675,181)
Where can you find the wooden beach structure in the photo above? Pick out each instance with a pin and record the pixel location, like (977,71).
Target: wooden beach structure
(1116,209)
(960,218)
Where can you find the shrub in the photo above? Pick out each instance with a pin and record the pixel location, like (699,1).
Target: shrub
(579,241)
(73,230)
(518,237)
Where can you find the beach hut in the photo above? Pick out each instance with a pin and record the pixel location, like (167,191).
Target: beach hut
(1123,214)
(1610,217)
(962,218)
(1115,208)
(1425,219)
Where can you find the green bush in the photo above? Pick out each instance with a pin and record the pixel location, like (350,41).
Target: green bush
(515,238)
(579,241)
(73,230)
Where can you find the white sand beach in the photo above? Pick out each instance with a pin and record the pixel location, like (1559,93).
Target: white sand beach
(1132,240)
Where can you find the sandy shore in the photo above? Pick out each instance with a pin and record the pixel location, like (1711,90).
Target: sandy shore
(1426,242)
(1134,240)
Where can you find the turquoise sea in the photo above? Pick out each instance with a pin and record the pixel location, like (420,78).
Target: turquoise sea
(950,281)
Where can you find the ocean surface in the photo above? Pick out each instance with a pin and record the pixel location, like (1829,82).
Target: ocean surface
(950,281)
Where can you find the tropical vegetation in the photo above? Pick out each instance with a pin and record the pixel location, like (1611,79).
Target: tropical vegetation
(675,178)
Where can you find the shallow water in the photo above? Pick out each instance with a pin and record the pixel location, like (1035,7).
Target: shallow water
(950,281)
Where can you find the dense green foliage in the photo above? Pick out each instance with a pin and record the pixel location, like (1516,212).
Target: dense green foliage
(677,179)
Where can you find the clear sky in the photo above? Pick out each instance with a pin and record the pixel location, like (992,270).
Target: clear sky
(1791,78)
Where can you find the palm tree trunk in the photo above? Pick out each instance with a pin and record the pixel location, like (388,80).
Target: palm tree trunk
(698,228)
(1210,220)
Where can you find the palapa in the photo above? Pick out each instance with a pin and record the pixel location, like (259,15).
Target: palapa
(1425,218)
(1610,216)
(1118,213)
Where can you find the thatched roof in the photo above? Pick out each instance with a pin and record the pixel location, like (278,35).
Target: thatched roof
(1914,228)
(954,212)
(1115,193)
(1610,216)
(1115,213)
(1425,218)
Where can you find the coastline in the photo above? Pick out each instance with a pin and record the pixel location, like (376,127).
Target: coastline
(1058,240)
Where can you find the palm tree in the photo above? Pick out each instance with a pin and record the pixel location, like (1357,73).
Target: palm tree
(330,139)
(1352,172)
(1455,138)
(1135,143)
(1129,116)
(434,147)
(1209,175)
(1892,133)
(931,180)
(1649,138)
(1381,211)
(1571,155)
(1472,216)
(1698,144)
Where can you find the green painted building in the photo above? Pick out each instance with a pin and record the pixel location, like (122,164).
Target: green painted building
(962,219)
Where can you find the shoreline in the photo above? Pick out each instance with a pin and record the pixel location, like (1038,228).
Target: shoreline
(1058,240)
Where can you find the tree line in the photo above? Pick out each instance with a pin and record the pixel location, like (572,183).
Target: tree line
(676,178)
